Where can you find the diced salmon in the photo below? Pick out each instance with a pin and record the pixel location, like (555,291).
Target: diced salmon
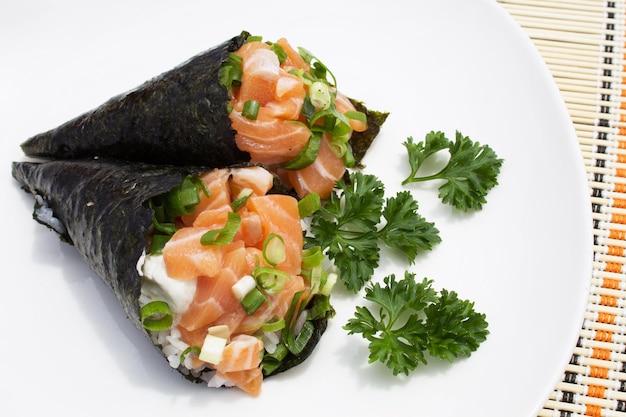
(250,380)
(212,218)
(279,214)
(319,177)
(186,258)
(214,298)
(205,308)
(241,353)
(269,140)
(276,306)
(216,182)
(343,105)
(294,60)
(256,178)
(260,74)
(251,230)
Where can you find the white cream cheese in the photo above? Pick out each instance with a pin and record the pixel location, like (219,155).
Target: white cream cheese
(157,285)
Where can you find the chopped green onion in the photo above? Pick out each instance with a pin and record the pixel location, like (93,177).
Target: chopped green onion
(241,199)
(338,148)
(309,204)
(253,300)
(250,109)
(194,349)
(269,279)
(313,257)
(156,316)
(158,243)
(280,52)
(356,115)
(274,249)
(273,326)
(271,361)
(225,235)
(255,38)
(297,344)
(320,95)
(230,72)
(328,284)
(243,286)
(348,157)
(307,155)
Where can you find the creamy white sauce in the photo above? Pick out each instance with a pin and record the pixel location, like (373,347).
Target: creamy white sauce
(157,285)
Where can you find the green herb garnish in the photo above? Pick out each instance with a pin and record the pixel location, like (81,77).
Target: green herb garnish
(348,227)
(409,319)
(470,173)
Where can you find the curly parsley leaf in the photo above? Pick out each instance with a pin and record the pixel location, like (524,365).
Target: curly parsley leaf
(471,171)
(405,228)
(348,227)
(409,319)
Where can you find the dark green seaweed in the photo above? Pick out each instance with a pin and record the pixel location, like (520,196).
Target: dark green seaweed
(179,117)
(99,206)
(361,141)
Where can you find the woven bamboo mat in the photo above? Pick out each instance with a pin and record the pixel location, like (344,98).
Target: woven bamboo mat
(583,44)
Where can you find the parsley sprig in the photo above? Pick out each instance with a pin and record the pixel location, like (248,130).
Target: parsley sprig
(470,173)
(356,216)
(409,319)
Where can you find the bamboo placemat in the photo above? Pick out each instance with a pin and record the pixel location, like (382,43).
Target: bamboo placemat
(583,45)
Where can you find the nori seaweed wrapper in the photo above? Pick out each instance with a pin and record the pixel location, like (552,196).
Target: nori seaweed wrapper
(99,207)
(178,118)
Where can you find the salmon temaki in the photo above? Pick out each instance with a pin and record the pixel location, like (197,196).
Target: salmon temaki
(206,262)
(245,100)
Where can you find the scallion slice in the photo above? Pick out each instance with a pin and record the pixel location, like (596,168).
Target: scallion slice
(194,349)
(307,155)
(269,279)
(241,199)
(251,109)
(273,326)
(225,235)
(253,300)
(274,251)
(156,316)
(309,204)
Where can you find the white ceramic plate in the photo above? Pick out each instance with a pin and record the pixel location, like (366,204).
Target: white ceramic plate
(455,65)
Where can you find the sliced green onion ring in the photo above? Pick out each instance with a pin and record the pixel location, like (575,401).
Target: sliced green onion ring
(274,249)
(194,349)
(307,155)
(273,326)
(253,300)
(156,316)
(251,109)
(309,204)
(241,199)
(269,279)
(225,235)
(313,257)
